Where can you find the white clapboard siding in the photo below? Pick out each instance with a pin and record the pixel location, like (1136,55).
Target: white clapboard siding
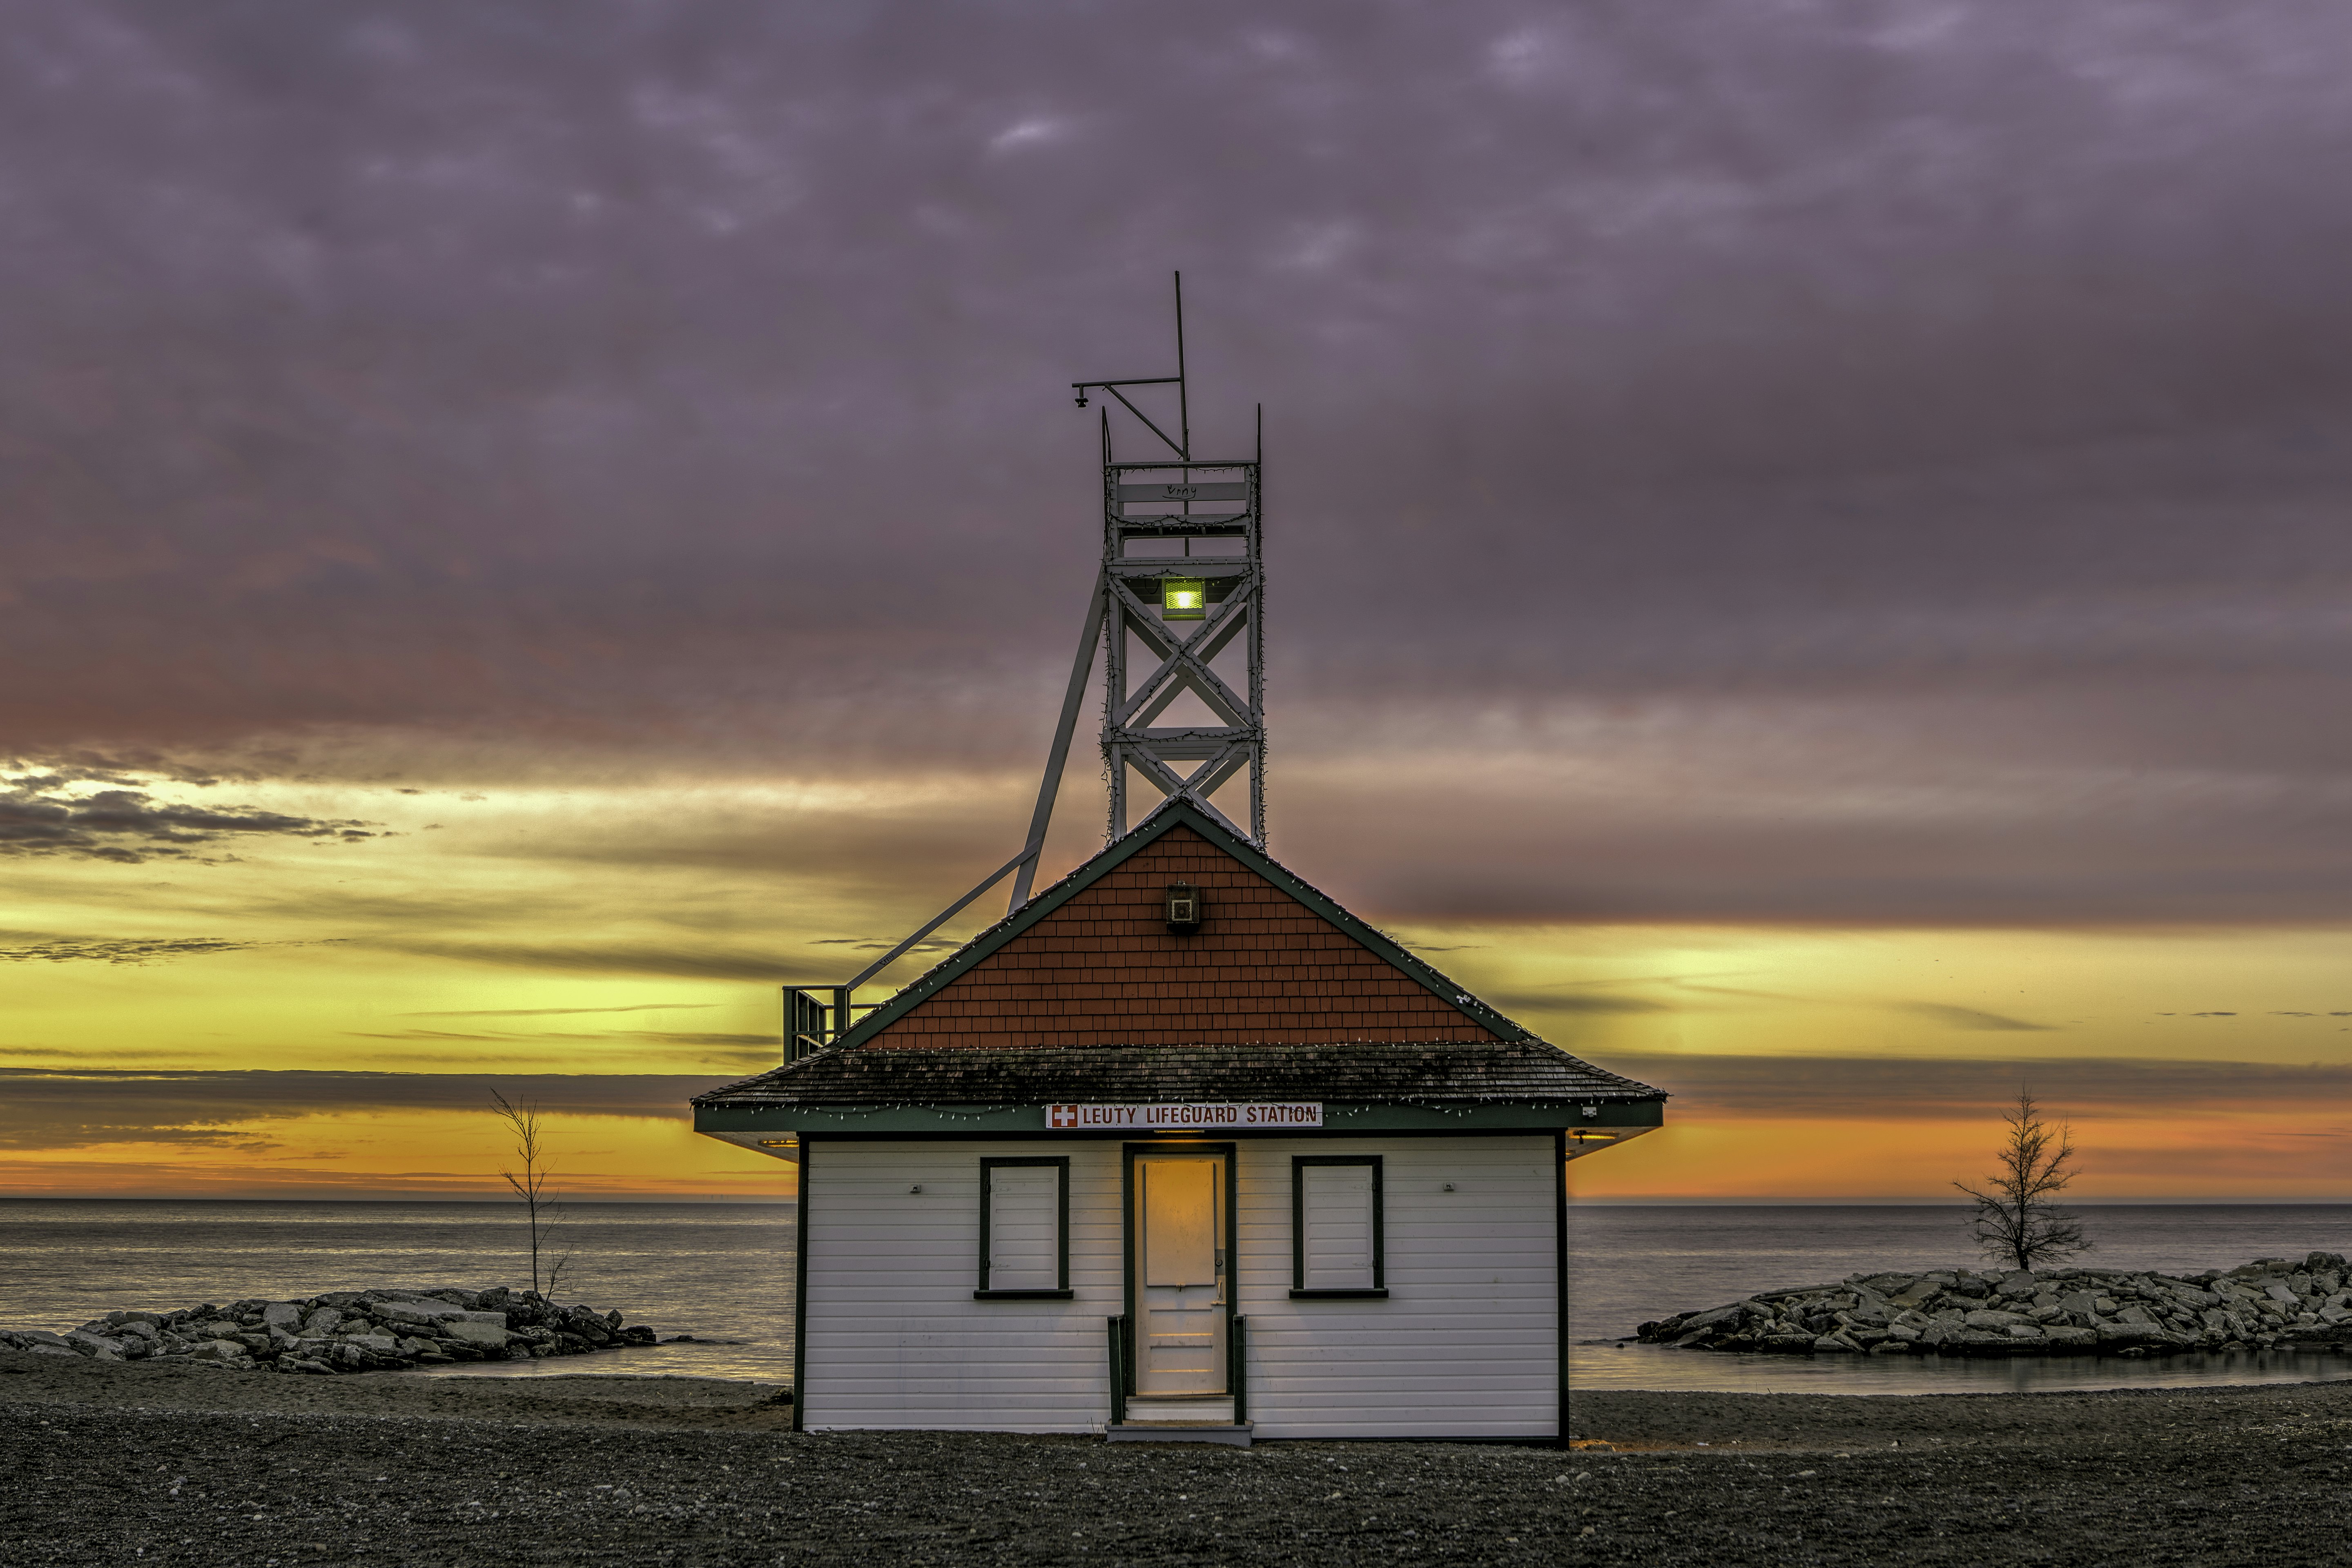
(1336,1206)
(893,1339)
(1023,1228)
(1466,1344)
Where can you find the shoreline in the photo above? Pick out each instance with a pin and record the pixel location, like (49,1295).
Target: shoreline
(2302,1303)
(177,1463)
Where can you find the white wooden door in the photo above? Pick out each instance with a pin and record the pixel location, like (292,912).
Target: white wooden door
(1181,1273)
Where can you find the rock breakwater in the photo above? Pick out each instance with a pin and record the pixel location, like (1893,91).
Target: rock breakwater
(2266,1305)
(381,1330)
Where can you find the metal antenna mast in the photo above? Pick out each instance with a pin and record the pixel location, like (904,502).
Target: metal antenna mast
(1181,576)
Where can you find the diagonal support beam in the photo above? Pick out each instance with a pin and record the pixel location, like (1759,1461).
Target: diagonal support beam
(1082,668)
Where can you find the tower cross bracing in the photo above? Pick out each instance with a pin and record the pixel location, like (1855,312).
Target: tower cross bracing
(1184,522)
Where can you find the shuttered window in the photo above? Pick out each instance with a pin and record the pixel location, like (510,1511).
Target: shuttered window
(1337,1245)
(1024,1221)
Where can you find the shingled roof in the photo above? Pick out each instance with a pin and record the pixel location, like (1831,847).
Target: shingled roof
(1089,961)
(1081,996)
(1367,1073)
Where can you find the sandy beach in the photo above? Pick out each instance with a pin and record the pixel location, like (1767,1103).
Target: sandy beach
(180,1464)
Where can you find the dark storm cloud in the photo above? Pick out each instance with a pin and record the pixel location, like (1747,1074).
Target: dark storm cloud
(554,1012)
(2081,1088)
(1970,1018)
(682,961)
(763,1044)
(71,950)
(49,1109)
(1957,391)
(130,826)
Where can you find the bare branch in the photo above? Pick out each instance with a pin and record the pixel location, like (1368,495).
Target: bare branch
(533,1186)
(2014,1217)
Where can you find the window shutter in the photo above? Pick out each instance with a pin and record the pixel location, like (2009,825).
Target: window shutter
(1336,1216)
(1023,1228)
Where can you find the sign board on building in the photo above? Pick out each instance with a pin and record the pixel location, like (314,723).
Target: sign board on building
(1188,1117)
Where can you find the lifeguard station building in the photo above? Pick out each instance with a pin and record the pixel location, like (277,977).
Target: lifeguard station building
(1179,1148)
(1271,1175)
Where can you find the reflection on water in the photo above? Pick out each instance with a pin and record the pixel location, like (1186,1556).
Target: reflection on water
(771,1362)
(1592,1367)
(715,1270)
(722,1272)
(1628,1264)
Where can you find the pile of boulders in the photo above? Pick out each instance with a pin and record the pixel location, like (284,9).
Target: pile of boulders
(344,1331)
(2271,1302)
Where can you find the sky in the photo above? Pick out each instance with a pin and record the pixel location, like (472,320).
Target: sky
(1805,545)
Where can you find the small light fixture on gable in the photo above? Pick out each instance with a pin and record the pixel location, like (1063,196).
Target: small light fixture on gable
(1183,599)
(1183,908)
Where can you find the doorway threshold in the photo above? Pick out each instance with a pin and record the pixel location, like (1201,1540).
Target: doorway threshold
(1230,1434)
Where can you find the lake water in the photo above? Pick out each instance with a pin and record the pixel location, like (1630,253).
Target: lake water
(722,1273)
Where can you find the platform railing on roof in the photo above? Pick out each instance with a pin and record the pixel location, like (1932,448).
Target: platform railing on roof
(816,1018)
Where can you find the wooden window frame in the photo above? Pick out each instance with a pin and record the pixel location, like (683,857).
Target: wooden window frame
(1061,1163)
(1379,1292)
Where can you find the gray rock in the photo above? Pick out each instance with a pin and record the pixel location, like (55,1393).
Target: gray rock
(2121,1332)
(490,1328)
(219,1350)
(98,1345)
(1991,1319)
(281,1315)
(321,1322)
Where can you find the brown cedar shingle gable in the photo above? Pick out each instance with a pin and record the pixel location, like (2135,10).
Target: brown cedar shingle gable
(1101,968)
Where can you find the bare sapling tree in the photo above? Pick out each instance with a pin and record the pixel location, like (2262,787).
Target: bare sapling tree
(534,1185)
(2015,1220)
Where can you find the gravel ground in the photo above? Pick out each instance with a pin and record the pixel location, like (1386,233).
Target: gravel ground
(180,1464)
